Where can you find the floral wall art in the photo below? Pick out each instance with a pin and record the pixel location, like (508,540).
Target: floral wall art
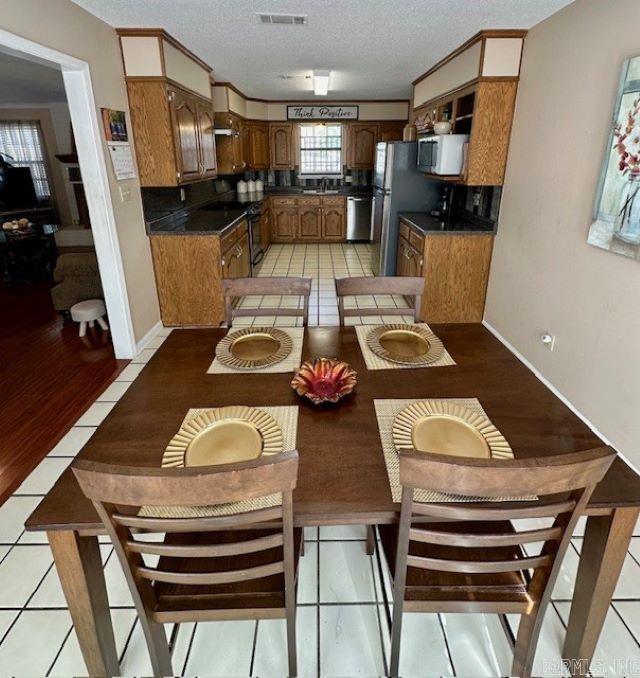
(616,224)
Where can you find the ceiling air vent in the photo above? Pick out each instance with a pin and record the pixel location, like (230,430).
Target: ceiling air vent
(287,19)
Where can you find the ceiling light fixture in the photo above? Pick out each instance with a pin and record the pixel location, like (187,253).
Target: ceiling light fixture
(321,82)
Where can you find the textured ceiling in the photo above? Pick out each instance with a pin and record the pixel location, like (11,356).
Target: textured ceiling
(374,48)
(26,82)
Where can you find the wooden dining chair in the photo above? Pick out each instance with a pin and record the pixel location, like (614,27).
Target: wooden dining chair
(232,288)
(235,566)
(469,557)
(379,285)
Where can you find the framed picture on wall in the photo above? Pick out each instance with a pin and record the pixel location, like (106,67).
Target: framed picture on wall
(616,219)
(115,125)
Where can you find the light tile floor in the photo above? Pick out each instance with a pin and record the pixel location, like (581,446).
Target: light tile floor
(342,626)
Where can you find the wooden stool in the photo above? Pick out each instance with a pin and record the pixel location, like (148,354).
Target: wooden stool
(89,311)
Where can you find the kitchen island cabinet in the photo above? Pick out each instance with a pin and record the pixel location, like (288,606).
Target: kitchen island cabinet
(455,266)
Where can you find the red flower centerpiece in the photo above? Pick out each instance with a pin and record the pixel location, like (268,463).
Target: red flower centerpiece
(325,380)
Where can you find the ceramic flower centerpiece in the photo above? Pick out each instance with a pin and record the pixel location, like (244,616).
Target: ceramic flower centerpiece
(627,134)
(324,380)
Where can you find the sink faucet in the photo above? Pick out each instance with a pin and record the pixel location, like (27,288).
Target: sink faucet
(324,184)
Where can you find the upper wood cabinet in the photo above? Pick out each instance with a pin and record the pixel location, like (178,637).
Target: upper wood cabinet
(231,148)
(173,133)
(281,146)
(391,131)
(362,138)
(257,145)
(475,88)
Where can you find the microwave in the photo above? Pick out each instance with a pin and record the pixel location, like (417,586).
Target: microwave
(442,153)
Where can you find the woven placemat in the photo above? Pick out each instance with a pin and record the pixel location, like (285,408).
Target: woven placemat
(287,417)
(386,411)
(289,364)
(375,362)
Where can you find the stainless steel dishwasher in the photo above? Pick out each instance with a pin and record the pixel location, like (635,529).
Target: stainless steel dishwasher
(358,218)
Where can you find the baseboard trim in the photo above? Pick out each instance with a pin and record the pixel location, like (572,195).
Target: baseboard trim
(555,391)
(151,334)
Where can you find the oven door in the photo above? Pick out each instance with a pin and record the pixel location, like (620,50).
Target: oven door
(256,246)
(427,154)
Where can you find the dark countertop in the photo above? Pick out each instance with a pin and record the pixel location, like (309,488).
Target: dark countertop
(210,219)
(426,224)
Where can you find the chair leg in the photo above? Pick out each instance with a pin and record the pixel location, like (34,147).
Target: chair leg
(102,323)
(92,323)
(291,642)
(396,630)
(158,647)
(526,643)
(83,328)
(371,540)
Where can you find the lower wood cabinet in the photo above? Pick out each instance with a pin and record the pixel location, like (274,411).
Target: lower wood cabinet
(308,219)
(189,270)
(455,268)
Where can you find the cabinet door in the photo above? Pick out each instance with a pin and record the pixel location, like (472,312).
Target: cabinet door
(207,139)
(309,223)
(391,131)
(265,228)
(185,126)
(401,257)
(333,223)
(238,144)
(258,146)
(362,145)
(244,258)
(281,145)
(285,223)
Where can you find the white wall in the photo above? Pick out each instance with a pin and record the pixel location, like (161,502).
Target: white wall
(544,275)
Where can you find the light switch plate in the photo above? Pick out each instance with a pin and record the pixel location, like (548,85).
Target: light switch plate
(125,194)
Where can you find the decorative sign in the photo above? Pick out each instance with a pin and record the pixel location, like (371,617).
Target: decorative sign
(115,131)
(322,112)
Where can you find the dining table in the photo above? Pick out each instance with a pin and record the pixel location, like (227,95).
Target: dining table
(342,473)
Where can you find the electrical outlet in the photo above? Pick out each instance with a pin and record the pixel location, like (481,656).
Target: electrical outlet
(125,194)
(548,340)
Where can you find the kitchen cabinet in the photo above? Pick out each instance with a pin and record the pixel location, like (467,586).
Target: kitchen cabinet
(265,225)
(173,132)
(281,146)
(362,138)
(310,222)
(257,145)
(455,268)
(230,147)
(391,131)
(334,222)
(285,223)
(236,256)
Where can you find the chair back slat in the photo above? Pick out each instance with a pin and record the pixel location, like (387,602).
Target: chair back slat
(211,578)
(169,525)
(484,546)
(207,551)
(234,288)
(192,486)
(478,567)
(379,285)
(484,540)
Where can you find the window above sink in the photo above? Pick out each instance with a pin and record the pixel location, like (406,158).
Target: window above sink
(320,150)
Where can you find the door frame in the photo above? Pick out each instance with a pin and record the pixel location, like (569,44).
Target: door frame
(87,131)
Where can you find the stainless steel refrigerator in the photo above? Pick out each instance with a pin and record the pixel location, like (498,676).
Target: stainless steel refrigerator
(397,187)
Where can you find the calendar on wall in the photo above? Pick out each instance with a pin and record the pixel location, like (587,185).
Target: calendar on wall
(117,135)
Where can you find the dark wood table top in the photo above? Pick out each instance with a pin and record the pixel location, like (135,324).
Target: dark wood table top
(342,476)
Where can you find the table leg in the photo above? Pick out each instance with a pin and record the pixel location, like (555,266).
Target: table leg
(79,567)
(606,540)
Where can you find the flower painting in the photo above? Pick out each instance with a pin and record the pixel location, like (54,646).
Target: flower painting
(616,223)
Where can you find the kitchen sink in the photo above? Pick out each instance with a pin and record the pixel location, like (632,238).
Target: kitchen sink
(316,192)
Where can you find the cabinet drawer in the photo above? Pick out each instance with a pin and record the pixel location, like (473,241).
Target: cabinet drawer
(334,200)
(416,241)
(285,201)
(404,230)
(308,201)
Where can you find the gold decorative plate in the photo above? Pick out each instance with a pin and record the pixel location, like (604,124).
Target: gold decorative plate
(405,343)
(223,436)
(448,428)
(254,347)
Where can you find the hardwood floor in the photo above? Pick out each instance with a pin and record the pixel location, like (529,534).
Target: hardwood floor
(48,378)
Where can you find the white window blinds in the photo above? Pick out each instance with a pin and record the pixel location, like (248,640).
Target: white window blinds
(21,143)
(321,149)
